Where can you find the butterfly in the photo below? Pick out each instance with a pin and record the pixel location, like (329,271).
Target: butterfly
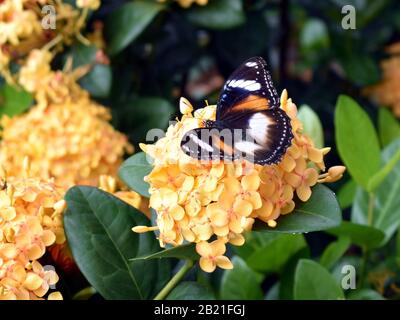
(249,123)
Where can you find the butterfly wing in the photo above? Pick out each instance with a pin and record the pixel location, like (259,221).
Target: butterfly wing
(209,143)
(266,135)
(249,87)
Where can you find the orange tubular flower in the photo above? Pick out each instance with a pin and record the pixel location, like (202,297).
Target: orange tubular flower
(198,202)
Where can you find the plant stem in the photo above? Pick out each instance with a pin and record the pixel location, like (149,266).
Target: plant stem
(174,280)
(365,256)
(371,204)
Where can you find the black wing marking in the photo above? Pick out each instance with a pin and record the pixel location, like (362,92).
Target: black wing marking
(259,137)
(209,143)
(251,82)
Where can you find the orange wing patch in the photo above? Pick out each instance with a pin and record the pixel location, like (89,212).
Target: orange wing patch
(252,103)
(227,149)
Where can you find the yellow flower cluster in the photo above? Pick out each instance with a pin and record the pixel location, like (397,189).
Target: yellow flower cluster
(24,27)
(199,202)
(387,92)
(189,3)
(66,135)
(30,221)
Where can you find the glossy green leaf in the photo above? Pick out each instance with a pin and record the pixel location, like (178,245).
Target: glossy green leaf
(320,212)
(275,252)
(389,127)
(353,129)
(186,251)
(312,125)
(241,282)
(386,209)
(190,290)
(133,171)
(98,228)
(13,101)
(126,23)
(334,251)
(347,193)
(314,282)
(359,234)
(365,294)
(218,14)
(287,273)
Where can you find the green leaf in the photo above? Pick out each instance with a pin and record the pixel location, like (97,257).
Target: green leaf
(347,193)
(359,234)
(398,247)
(386,211)
(190,290)
(365,294)
(353,129)
(320,212)
(312,125)
(99,79)
(186,251)
(334,251)
(314,35)
(389,128)
(380,176)
(126,23)
(275,252)
(273,292)
(133,171)
(218,14)
(98,228)
(314,282)
(241,282)
(287,274)
(13,101)
(140,115)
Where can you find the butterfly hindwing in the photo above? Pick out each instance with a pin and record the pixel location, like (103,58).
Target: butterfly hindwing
(268,134)
(261,137)
(209,144)
(250,86)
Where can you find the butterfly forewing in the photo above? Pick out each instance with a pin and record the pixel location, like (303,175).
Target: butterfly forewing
(250,84)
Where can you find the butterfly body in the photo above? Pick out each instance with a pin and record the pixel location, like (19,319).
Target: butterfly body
(249,123)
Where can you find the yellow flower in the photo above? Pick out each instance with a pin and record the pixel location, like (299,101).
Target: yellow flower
(30,222)
(387,92)
(89,4)
(212,255)
(202,201)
